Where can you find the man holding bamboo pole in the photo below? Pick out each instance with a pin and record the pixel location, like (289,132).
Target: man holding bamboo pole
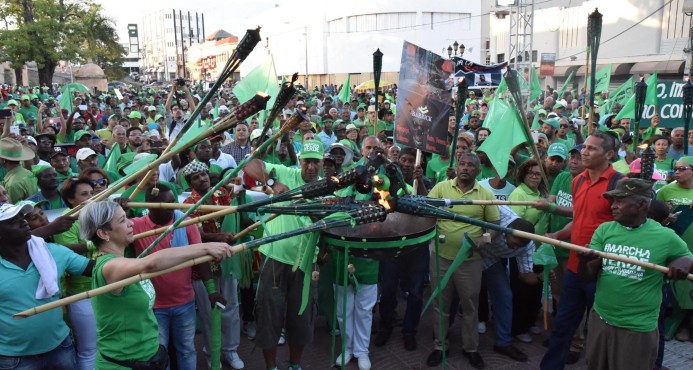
(197,175)
(280,292)
(628,298)
(590,210)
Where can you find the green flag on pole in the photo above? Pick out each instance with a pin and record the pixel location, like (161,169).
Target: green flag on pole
(502,87)
(651,95)
(345,94)
(112,159)
(628,110)
(534,86)
(620,95)
(261,78)
(545,256)
(66,101)
(602,78)
(565,85)
(507,132)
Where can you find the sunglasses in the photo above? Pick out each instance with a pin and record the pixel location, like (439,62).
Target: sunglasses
(682,168)
(99,182)
(564,126)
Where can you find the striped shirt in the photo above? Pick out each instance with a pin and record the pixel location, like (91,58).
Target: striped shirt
(498,248)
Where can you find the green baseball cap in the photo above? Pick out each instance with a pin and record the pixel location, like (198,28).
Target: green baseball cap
(12,102)
(135,115)
(312,149)
(557,149)
(25,97)
(553,122)
(541,111)
(475,113)
(81,133)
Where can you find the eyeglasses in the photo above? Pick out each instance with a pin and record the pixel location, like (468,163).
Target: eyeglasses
(682,168)
(534,174)
(99,182)
(135,135)
(564,126)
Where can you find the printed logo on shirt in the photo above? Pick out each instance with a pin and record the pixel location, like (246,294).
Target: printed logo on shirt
(501,197)
(625,269)
(564,199)
(148,288)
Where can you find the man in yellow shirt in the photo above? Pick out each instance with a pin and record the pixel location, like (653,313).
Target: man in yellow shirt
(466,280)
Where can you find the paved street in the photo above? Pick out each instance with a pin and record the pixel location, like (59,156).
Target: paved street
(678,355)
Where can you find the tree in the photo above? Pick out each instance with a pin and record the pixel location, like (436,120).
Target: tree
(48,31)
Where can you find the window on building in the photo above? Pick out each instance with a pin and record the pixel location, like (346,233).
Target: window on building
(500,58)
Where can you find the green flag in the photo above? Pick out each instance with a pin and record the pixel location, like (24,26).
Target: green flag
(545,256)
(602,78)
(462,254)
(535,86)
(565,85)
(66,100)
(502,87)
(620,95)
(507,132)
(628,110)
(651,95)
(345,94)
(112,159)
(261,78)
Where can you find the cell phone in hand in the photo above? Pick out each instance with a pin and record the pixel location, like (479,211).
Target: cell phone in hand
(5,113)
(14,130)
(83,107)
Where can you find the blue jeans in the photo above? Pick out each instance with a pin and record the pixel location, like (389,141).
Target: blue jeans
(179,322)
(498,285)
(576,297)
(63,357)
(413,266)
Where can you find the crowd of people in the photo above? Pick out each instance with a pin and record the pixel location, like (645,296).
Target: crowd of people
(586,188)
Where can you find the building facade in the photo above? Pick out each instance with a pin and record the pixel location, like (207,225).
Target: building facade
(329,40)
(205,61)
(166,35)
(637,37)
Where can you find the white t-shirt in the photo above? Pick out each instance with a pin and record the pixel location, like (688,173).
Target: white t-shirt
(224,161)
(501,194)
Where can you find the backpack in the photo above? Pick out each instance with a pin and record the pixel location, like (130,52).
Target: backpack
(611,186)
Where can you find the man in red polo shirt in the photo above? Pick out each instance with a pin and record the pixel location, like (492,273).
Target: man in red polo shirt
(590,209)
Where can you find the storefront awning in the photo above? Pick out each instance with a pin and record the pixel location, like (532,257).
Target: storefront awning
(644,68)
(617,69)
(564,71)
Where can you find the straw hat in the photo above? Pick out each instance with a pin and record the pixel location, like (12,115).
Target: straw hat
(13,150)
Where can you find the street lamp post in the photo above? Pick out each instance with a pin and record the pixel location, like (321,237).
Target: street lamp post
(687,108)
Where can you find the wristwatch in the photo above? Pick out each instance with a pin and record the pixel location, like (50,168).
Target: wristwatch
(270,182)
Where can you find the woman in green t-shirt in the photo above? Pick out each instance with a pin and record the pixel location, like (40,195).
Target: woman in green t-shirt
(128,335)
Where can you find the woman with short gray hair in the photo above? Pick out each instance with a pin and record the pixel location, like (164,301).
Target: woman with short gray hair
(127,329)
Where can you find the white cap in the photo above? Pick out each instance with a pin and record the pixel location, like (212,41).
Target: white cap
(84,153)
(223,108)
(154,133)
(31,139)
(257,132)
(8,211)
(151,108)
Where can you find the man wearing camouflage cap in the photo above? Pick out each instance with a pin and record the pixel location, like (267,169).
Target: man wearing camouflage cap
(627,299)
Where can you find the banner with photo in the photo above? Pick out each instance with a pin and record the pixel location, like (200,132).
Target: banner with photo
(423,100)
(480,75)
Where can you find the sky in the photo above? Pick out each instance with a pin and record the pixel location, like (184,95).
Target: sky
(229,15)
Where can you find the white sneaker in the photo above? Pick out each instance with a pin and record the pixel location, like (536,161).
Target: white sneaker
(250,329)
(535,330)
(348,356)
(524,338)
(282,338)
(364,362)
(233,360)
(482,327)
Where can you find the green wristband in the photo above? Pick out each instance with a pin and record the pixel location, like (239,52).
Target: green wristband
(210,286)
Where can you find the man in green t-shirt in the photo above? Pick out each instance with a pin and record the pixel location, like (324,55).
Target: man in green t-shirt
(280,293)
(628,297)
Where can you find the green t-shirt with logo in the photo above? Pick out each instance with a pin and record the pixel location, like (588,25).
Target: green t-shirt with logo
(562,189)
(629,296)
(435,166)
(676,195)
(663,168)
(286,250)
(126,328)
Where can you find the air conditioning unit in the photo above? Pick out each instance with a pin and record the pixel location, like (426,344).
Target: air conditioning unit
(501,14)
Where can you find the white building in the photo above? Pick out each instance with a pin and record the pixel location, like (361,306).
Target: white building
(330,39)
(165,36)
(205,61)
(638,37)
